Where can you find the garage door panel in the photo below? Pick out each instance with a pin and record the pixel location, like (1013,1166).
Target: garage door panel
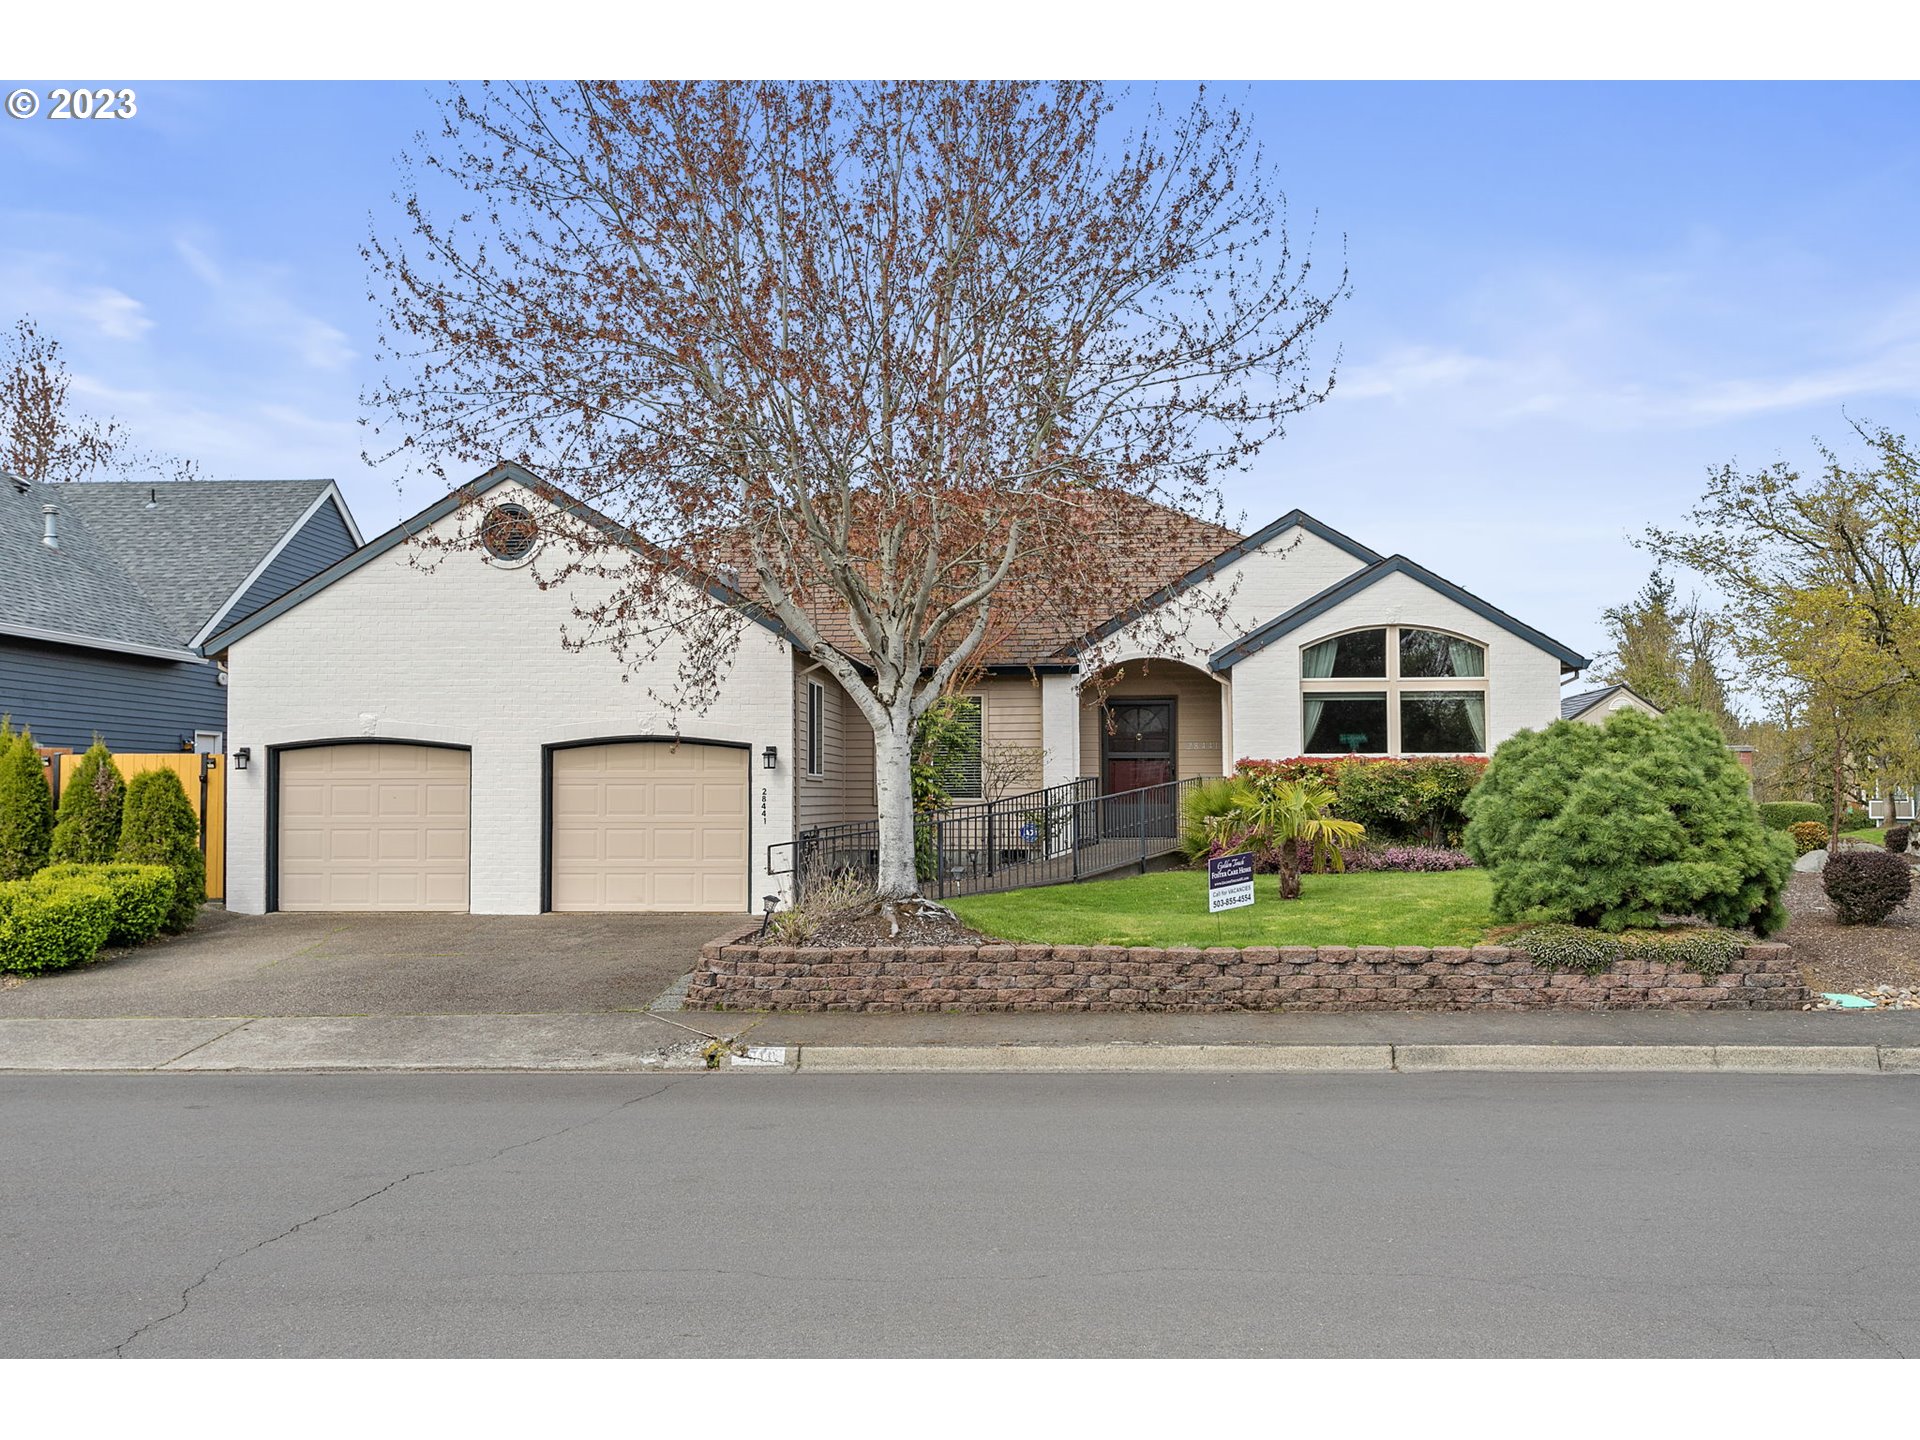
(374,827)
(646,825)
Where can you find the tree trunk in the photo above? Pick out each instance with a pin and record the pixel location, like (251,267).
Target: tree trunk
(898,877)
(1289,870)
(1839,788)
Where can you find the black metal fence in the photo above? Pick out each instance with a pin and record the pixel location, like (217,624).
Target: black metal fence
(1065,832)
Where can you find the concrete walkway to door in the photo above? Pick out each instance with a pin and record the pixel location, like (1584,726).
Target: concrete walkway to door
(338,964)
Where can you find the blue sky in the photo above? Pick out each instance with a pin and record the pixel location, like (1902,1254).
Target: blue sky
(1569,300)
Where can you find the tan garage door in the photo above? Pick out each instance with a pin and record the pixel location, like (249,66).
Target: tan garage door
(374,827)
(647,825)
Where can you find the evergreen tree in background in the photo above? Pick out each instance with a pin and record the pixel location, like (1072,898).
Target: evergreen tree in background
(87,830)
(160,828)
(26,806)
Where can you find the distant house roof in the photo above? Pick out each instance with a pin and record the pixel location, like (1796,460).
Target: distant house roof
(139,567)
(1340,591)
(1572,707)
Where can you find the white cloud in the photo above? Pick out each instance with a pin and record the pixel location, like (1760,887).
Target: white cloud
(253,299)
(46,287)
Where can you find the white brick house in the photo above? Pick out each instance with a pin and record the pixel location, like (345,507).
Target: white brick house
(418,737)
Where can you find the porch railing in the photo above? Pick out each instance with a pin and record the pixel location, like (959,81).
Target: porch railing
(1044,837)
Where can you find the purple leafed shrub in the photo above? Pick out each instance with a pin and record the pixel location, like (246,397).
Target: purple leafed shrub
(1408,857)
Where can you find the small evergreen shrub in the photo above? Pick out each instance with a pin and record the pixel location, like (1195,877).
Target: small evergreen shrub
(87,828)
(53,924)
(161,829)
(1780,814)
(1614,826)
(1866,886)
(1808,836)
(142,897)
(26,806)
(1898,838)
(1594,952)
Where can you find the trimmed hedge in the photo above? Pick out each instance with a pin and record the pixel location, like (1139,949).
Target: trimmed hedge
(53,923)
(160,828)
(1785,814)
(1421,801)
(26,806)
(142,897)
(1808,836)
(1866,886)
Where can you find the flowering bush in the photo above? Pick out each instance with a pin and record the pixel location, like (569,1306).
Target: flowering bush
(1409,857)
(1420,800)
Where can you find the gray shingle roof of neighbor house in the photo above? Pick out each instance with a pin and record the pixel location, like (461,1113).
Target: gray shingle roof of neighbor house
(1574,706)
(142,567)
(1315,606)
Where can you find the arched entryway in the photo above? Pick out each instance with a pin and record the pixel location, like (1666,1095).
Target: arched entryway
(1148,721)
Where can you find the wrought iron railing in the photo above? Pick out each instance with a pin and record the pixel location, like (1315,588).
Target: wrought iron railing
(1044,837)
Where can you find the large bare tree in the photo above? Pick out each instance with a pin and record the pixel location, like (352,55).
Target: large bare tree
(45,437)
(906,358)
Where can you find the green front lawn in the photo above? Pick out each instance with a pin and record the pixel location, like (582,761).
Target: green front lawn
(1375,907)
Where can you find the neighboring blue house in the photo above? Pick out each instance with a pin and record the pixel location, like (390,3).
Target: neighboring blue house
(108,588)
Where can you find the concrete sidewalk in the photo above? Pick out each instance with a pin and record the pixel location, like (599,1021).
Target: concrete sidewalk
(1793,1042)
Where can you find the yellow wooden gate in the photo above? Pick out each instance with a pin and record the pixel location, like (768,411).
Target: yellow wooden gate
(206,787)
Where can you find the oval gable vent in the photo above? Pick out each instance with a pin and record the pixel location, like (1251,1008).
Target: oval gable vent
(509,532)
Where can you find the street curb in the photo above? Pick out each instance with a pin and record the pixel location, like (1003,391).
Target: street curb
(867,1059)
(1414,1059)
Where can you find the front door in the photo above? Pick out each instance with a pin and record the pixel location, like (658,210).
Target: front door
(1138,743)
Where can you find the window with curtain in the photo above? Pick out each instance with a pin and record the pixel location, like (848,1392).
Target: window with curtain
(1359,655)
(1429,655)
(1443,722)
(816,728)
(956,761)
(1346,724)
(1433,700)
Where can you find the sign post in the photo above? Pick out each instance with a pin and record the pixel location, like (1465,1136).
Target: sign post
(1229,883)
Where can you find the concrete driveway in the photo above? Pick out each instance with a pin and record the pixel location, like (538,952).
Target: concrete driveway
(381,965)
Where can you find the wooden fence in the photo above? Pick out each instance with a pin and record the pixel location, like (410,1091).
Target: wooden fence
(206,787)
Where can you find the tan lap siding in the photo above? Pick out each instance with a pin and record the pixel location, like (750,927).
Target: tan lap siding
(843,791)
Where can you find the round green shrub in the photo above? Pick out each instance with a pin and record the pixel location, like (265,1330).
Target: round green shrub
(87,829)
(1615,826)
(161,829)
(1781,814)
(142,897)
(53,924)
(1866,886)
(1808,836)
(26,806)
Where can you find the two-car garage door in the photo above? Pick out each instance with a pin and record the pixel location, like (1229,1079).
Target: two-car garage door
(635,825)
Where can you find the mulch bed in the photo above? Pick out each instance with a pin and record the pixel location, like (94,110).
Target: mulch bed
(1849,959)
(917,927)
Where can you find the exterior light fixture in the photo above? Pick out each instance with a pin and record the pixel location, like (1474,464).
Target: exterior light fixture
(242,758)
(770,758)
(768,903)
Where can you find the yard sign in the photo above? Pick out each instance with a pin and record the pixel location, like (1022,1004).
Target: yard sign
(1229,883)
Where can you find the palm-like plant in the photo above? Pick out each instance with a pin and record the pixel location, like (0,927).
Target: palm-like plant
(1289,819)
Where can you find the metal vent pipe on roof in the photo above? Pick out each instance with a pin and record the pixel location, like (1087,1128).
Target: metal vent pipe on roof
(50,521)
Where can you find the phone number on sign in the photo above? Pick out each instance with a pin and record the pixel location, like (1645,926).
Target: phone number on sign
(64,104)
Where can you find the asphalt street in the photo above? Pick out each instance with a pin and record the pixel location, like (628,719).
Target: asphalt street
(780,1214)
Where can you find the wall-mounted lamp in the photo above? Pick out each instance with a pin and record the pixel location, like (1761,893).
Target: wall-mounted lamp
(242,758)
(770,758)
